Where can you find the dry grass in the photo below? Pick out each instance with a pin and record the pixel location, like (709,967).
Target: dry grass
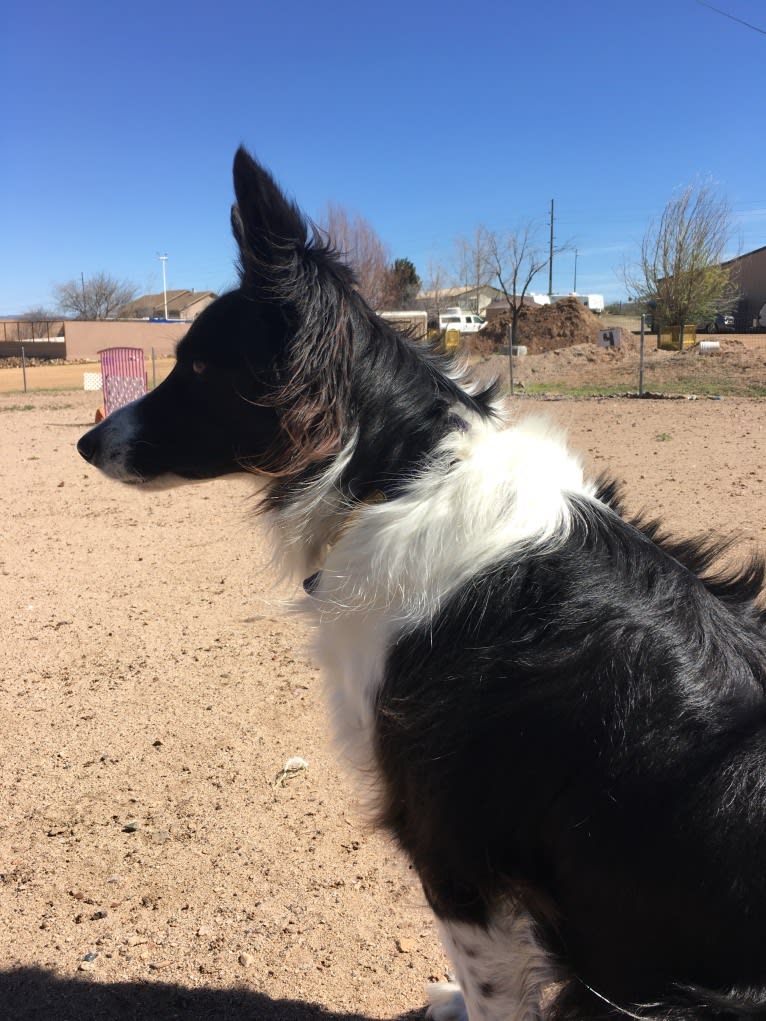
(64,377)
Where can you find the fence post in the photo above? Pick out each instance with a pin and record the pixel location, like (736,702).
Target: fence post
(510,353)
(154,370)
(24,367)
(641,358)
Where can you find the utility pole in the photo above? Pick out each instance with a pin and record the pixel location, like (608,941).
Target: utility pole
(550,258)
(163,259)
(574,287)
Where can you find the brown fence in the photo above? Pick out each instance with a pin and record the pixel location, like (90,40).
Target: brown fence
(42,349)
(31,329)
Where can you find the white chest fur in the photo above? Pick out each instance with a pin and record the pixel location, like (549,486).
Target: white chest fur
(489,494)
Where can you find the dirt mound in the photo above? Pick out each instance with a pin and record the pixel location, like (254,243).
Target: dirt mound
(548,327)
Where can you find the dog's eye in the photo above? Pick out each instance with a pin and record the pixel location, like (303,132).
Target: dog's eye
(199,366)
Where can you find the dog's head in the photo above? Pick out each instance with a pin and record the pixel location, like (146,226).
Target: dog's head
(261,380)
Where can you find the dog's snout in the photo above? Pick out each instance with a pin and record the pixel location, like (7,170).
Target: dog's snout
(87,445)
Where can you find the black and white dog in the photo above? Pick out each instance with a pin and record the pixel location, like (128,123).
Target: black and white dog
(559,714)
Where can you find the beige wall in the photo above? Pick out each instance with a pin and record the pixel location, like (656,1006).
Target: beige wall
(194,307)
(85,339)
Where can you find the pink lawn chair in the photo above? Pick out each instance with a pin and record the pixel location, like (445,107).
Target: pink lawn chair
(123,376)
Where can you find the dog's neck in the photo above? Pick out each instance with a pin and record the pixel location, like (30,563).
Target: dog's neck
(310,526)
(376,496)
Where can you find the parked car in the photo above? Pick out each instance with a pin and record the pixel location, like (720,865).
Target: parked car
(722,322)
(457,319)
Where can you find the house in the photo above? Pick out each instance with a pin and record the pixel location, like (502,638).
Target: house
(473,299)
(183,305)
(748,274)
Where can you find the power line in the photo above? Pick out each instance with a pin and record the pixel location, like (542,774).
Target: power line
(726,14)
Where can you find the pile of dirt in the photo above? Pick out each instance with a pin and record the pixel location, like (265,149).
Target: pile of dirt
(547,327)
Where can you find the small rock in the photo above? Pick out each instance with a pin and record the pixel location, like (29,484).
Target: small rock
(86,966)
(405,944)
(90,956)
(131,827)
(246,960)
(159,965)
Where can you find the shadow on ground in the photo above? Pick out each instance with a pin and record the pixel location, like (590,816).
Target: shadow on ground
(31,994)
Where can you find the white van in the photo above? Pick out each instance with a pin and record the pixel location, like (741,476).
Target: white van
(457,319)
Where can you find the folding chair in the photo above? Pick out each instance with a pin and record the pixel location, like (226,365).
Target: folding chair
(123,376)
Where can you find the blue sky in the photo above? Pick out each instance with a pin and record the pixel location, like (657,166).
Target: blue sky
(120,123)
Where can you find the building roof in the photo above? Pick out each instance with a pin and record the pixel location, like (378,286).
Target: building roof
(149,305)
(455,292)
(745,255)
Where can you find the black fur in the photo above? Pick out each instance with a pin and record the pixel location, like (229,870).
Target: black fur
(581,728)
(293,364)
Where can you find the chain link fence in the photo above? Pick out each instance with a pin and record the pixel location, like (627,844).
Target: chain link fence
(616,361)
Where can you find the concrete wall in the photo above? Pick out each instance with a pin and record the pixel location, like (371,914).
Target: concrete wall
(85,339)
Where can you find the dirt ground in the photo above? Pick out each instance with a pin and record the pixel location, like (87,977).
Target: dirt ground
(155,863)
(562,347)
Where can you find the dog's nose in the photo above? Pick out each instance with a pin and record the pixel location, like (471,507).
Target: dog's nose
(87,445)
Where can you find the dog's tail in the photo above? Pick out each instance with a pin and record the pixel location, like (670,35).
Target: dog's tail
(684,1003)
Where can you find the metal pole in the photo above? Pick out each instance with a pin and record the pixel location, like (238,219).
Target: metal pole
(154,370)
(163,259)
(641,358)
(24,367)
(510,353)
(574,288)
(550,257)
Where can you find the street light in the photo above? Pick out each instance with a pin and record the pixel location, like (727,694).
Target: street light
(163,259)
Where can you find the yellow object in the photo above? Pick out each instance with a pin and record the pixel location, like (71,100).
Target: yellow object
(670,340)
(452,340)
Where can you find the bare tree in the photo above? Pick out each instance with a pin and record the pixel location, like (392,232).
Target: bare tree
(473,268)
(436,283)
(37,323)
(356,240)
(96,297)
(516,258)
(679,272)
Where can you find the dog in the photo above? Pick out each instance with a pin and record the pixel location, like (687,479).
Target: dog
(557,711)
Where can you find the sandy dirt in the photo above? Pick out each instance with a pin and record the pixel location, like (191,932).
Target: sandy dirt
(154,864)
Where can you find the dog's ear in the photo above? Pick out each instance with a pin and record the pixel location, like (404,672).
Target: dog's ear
(281,263)
(270,231)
